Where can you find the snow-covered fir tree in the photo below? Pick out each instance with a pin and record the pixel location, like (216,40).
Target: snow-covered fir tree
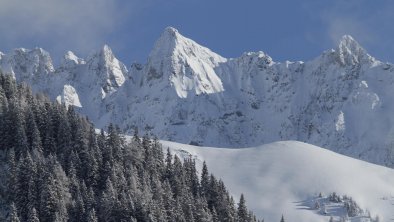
(59,169)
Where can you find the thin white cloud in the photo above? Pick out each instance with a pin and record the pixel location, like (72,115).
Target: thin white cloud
(339,26)
(57,24)
(368,21)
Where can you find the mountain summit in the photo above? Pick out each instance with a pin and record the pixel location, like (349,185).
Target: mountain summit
(341,100)
(188,65)
(351,52)
(108,69)
(27,65)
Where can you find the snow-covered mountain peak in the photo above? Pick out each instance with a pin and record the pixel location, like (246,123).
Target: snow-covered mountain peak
(108,68)
(20,50)
(70,60)
(171,43)
(165,45)
(350,52)
(39,50)
(188,65)
(104,54)
(249,57)
(27,65)
(70,56)
(171,31)
(259,54)
(349,41)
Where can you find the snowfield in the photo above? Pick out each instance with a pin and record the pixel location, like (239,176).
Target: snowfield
(285,177)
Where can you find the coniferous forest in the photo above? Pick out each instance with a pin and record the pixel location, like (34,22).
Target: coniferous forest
(54,166)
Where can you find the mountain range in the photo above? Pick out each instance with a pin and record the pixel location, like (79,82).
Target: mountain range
(341,100)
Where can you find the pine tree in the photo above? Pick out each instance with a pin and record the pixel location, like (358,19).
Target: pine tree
(204,180)
(13,214)
(168,162)
(115,142)
(90,201)
(3,113)
(178,213)
(12,177)
(32,216)
(213,195)
(168,201)
(282,219)
(48,201)
(54,193)
(189,216)
(92,172)
(16,126)
(77,209)
(177,179)
(136,137)
(107,201)
(202,211)
(64,139)
(243,215)
(232,210)
(215,217)
(191,178)
(25,192)
(91,216)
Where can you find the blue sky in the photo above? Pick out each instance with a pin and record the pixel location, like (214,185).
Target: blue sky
(285,29)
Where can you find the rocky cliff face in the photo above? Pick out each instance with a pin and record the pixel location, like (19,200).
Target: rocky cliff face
(341,100)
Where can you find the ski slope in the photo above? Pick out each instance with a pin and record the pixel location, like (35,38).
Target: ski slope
(284,177)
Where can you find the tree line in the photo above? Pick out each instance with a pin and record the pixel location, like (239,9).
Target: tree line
(56,167)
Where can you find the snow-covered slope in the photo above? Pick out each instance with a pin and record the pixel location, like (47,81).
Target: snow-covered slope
(341,100)
(83,83)
(286,178)
(188,66)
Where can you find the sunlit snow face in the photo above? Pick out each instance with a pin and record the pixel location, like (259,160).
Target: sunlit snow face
(288,176)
